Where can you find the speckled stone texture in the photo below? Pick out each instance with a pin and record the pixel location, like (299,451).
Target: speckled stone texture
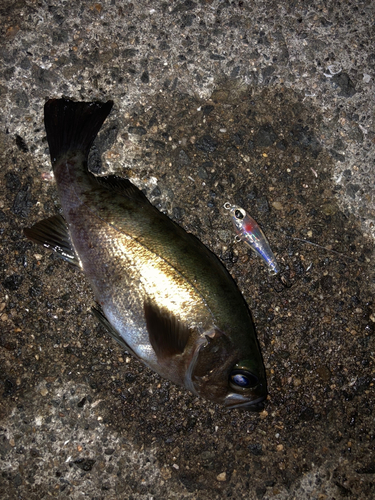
(269,105)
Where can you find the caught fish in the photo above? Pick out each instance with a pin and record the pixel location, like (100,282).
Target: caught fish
(161,294)
(248,231)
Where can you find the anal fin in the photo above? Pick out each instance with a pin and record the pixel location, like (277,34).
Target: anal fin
(100,316)
(53,233)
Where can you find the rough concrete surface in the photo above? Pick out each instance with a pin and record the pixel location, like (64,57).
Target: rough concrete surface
(266,104)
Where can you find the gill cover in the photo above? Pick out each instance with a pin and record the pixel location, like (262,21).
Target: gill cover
(216,374)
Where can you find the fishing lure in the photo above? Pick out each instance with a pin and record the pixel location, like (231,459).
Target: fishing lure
(249,231)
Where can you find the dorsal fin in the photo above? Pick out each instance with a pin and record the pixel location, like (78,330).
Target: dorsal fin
(53,233)
(121,186)
(168,335)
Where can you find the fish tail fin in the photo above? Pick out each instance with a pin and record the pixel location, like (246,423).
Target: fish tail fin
(73,126)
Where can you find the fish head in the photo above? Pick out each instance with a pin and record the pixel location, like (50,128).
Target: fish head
(224,374)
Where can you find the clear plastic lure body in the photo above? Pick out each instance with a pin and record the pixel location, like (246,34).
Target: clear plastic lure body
(248,231)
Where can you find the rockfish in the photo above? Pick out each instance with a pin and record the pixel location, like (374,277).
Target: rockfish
(160,292)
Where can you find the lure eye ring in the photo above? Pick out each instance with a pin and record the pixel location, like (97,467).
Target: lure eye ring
(239,213)
(242,379)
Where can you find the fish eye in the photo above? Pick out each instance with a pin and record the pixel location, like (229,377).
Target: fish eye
(238,214)
(243,379)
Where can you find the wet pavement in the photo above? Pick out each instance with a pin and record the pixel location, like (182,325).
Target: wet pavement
(266,105)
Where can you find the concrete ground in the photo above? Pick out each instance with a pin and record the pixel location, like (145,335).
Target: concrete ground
(266,104)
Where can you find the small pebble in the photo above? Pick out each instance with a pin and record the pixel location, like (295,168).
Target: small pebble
(277,205)
(222,476)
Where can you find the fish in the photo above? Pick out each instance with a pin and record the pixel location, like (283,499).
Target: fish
(248,230)
(159,291)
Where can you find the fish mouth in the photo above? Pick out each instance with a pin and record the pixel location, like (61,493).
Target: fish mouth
(234,400)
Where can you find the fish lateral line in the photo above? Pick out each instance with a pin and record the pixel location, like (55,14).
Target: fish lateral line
(121,231)
(107,183)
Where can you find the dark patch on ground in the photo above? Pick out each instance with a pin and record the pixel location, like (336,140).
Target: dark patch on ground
(262,150)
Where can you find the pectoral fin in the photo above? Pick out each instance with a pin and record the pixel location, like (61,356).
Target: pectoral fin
(168,335)
(53,233)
